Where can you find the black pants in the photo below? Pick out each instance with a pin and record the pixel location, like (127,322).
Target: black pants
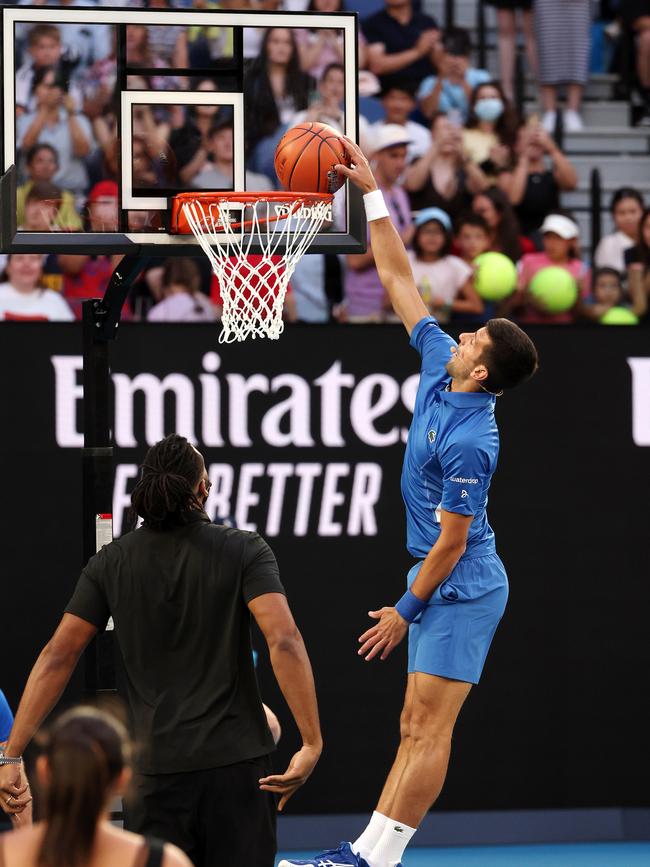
(218,817)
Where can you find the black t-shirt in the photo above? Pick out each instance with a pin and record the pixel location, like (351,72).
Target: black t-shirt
(179,601)
(382,27)
(541,197)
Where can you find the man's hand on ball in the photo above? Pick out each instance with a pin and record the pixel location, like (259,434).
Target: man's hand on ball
(359,172)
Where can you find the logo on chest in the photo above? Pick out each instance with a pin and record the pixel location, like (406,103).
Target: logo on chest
(431,436)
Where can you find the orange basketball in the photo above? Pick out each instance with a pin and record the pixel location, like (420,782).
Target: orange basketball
(305,158)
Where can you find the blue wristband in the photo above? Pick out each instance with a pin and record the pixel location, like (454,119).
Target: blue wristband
(409,606)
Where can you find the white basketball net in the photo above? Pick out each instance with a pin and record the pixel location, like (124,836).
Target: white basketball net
(253,292)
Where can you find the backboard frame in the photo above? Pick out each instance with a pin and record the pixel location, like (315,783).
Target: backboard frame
(161,243)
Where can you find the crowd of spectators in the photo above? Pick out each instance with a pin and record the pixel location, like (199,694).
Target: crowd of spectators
(462,173)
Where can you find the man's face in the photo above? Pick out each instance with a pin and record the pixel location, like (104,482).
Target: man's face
(40,215)
(43,166)
(222,145)
(472,241)
(103,214)
(332,87)
(391,162)
(467,357)
(398,104)
(46,51)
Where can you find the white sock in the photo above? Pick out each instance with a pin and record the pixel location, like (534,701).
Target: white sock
(390,847)
(364,844)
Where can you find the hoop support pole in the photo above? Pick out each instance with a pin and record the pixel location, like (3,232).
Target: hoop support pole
(100,323)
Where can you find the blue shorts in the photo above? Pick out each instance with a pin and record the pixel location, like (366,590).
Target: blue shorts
(452,636)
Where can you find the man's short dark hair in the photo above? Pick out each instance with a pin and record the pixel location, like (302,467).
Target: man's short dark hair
(37,148)
(330,68)
(511,358)
(403,85)
(457,42)
(469,218)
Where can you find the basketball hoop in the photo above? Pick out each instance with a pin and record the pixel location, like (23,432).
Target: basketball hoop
(228,226)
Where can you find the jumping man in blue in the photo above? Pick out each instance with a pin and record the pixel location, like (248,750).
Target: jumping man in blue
(458,588)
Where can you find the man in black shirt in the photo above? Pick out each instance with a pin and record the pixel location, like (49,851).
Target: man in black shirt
(181,591)
(401,42)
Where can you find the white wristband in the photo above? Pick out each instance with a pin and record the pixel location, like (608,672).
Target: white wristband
(375,205)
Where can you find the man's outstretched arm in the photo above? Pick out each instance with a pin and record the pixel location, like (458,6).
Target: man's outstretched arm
(391,260)
(293,672)
(47,680)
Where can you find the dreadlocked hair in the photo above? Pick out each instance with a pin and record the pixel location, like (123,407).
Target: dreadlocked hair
(165,493)
(86,751)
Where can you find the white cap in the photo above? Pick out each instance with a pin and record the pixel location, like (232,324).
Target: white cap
(389,135)
(560,225)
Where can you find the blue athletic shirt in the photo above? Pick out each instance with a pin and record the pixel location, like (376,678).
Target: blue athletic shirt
(451,452)
(6,718)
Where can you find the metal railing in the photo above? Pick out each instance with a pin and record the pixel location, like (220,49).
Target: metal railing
(595,208)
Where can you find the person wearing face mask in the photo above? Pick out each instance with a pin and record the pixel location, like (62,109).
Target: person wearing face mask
(450,91)
(182,592)
(490,131)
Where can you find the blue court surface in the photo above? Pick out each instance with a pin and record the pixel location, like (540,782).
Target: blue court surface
(564,855)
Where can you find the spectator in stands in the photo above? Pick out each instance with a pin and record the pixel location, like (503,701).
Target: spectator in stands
(182,299)
(320,48)
(88,276)
(637,258)
(329,107)
(451,90)
(626,209)
(41,207)
(532,185)
(22,296)
(276,90)
(491,129)
(493,205)
(399,102)
(444,177)
(365,299)
(102,207)
(55,122)
(563,33)
(401,40)
(45,51)
(636,17)
(607,291)
(218,171)
(42,164)
(560,239)
(208,43)
(190,134)
(317,285)
(168,41)
(507,24)
(444,281)
(84,765)
(473,236)
(139,52)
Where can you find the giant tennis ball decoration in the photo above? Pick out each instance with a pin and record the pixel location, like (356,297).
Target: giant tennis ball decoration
(619,316)
(555,289)
(495,277)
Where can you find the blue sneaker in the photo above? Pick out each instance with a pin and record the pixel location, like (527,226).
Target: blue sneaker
(341,857)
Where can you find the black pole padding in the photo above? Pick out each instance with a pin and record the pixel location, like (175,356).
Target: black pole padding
(596,208)
(8,218)
(100,323)
(97,455)
(108,310)
(482,35)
